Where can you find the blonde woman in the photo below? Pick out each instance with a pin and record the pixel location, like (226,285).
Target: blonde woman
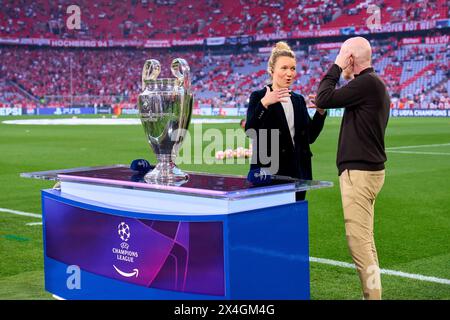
(283,113)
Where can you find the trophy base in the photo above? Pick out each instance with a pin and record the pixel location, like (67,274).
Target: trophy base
(166,173)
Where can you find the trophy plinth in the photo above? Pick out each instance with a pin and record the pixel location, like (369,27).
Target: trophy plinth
(166,172)
(165,108)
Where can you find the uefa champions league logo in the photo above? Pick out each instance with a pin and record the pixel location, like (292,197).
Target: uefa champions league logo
(124,231)
(123,254)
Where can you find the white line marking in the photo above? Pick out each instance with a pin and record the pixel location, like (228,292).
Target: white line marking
(343,264)
(383,271)
(419,146)
(34,224)
(417,152)
(311,259)
(21,213)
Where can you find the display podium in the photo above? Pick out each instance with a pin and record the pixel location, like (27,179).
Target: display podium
(110,235)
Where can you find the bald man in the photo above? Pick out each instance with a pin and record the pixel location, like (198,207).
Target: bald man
(361,155)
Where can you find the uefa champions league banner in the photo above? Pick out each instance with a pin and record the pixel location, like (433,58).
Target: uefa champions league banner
(413,113)
(169,255)
(420,113)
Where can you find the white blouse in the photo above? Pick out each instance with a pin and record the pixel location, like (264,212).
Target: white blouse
(289,113)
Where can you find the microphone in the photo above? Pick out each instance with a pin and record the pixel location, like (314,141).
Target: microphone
(259,176)
(262,176)
(141,165)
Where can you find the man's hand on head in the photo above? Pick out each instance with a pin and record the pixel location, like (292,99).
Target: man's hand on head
(343,59)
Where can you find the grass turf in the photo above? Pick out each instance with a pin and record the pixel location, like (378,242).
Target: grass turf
(412,219)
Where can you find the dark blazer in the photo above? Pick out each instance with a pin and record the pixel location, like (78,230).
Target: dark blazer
(294,161)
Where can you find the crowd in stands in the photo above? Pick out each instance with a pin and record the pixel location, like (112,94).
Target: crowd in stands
(416,75)
(184,19)
(411,10)
(103,76)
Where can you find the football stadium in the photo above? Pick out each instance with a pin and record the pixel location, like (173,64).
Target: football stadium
(71,88)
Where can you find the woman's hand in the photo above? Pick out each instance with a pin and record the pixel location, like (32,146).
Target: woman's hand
(311,104)
(277,95)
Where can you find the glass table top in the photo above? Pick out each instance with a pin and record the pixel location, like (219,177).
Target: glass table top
(200,184)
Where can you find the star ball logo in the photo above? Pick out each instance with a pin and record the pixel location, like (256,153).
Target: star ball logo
(123,253)
(124,231)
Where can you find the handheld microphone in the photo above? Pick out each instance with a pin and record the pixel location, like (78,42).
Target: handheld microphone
(141,165)
(259,176)
(262,176)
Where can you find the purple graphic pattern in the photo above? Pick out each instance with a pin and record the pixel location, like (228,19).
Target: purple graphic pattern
(169,255)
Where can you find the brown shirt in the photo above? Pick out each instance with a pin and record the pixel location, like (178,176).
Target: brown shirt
(367,103)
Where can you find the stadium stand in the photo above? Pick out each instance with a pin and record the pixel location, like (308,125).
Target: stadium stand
(417,75)
(412,72)
(161,19)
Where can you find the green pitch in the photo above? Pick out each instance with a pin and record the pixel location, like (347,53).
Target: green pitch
(412,220)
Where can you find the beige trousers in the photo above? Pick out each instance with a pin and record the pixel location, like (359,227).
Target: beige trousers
(359,190)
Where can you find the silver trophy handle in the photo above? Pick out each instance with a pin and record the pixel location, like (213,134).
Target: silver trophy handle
(180,69)
(151,71)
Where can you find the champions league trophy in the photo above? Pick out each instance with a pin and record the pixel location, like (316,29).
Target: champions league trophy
(165,108)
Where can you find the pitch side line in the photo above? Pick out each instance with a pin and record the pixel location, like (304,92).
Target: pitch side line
(417,152)
(25,214)
(383,271)
(419,146)
(311,259)
(342,264)
(34,224)
(21,213)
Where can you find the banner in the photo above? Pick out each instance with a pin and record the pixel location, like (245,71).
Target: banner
(157,44)
(232,41)
(103,110)
(315,33)
(29,111)
(62,111)
(445,23)
(130,111)
(79,43)
(275,36)
(35,41)
(420,113)
(328,46)
(265,50)
(334,113)
(347,31)
(206,111)
(16,111)
(245,40)
(191,42)
(217,41)
(406,26)
(9,41)
(437,40)
(406,41)
(417,113)
(125,43)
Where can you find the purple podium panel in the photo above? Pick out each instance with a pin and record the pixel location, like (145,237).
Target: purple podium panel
(169,255)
